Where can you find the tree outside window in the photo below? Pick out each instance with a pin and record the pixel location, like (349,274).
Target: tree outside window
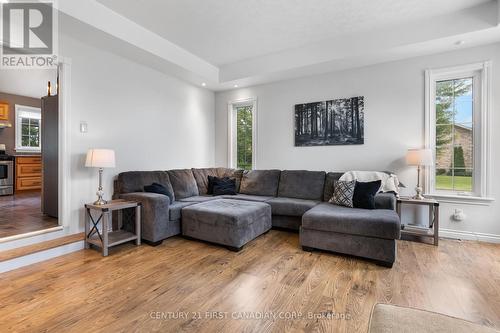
(28,128)
(454,135)
(244,137)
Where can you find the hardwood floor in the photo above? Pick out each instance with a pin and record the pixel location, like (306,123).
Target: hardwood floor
(21,213)
(137,288)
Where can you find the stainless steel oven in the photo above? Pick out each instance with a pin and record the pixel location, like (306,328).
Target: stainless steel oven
(6,177)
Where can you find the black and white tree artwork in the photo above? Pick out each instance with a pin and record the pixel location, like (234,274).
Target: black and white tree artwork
(333,122)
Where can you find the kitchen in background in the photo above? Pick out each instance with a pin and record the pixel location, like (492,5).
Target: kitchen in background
(28,163)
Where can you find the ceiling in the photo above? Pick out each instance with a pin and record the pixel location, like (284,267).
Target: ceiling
(228,31)
(27,82)
(223,42)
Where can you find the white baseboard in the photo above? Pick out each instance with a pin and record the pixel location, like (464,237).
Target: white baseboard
(469,235)
(33,258)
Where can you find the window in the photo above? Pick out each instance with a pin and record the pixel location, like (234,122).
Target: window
(242,138)
(455,135)
(457,130)
(28,128)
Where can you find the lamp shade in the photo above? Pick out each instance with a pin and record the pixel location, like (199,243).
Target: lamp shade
(422,157)
(100,158)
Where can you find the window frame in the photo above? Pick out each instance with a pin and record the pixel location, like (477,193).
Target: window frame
(232,140)
(29,109)
(481,128)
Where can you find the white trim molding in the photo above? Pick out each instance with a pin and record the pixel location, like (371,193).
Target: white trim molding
(469,235)
(65,143)
(464,200)
(231,138)
(482,137)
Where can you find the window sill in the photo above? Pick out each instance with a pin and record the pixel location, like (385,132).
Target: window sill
(33,151)
(461,199)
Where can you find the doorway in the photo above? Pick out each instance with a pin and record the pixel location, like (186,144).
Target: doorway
(29,125)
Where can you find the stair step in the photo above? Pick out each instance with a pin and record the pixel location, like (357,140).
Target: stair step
(42,246)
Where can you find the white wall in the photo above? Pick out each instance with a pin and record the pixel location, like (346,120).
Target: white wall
(394,121)
(152,121)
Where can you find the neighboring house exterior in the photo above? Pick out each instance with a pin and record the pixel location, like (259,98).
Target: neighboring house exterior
(464,139)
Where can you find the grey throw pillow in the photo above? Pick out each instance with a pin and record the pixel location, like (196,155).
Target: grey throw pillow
(343,193)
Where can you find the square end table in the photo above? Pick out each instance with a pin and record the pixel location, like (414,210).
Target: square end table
(107,237)
(433,227)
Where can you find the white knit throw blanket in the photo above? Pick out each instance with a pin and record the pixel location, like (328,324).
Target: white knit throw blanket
(390,183)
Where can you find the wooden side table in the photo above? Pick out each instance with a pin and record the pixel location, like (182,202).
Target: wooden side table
(433,229)
(108,237)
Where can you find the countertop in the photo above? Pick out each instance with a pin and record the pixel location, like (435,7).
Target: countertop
(27,155)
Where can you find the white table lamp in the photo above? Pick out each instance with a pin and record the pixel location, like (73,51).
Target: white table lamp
(419,158)
(100,158)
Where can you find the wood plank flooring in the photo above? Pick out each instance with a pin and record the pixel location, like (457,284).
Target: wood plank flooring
(21,213)
(178,287)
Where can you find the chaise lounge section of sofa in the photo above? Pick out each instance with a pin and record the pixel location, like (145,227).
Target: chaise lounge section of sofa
(298,200)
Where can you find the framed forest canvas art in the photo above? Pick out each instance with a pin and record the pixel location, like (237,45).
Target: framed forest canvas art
(333,122)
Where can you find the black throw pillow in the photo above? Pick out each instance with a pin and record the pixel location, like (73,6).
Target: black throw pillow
(224,186)
(364,194)
(160,189)
(210,186)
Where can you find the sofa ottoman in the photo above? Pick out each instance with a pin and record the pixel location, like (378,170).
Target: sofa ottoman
(364,233)
(231,223)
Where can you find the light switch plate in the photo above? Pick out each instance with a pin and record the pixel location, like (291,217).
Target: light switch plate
(83,127)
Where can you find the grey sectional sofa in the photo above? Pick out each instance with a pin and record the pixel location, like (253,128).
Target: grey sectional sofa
(298,200)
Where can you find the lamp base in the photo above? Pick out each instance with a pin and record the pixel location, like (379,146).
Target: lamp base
(419,195)
(100,201)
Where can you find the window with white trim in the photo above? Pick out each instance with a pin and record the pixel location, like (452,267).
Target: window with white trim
(28,129)
(242,134)
(457,130)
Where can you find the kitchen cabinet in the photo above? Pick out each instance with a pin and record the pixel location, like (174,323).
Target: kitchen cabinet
(28,173)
